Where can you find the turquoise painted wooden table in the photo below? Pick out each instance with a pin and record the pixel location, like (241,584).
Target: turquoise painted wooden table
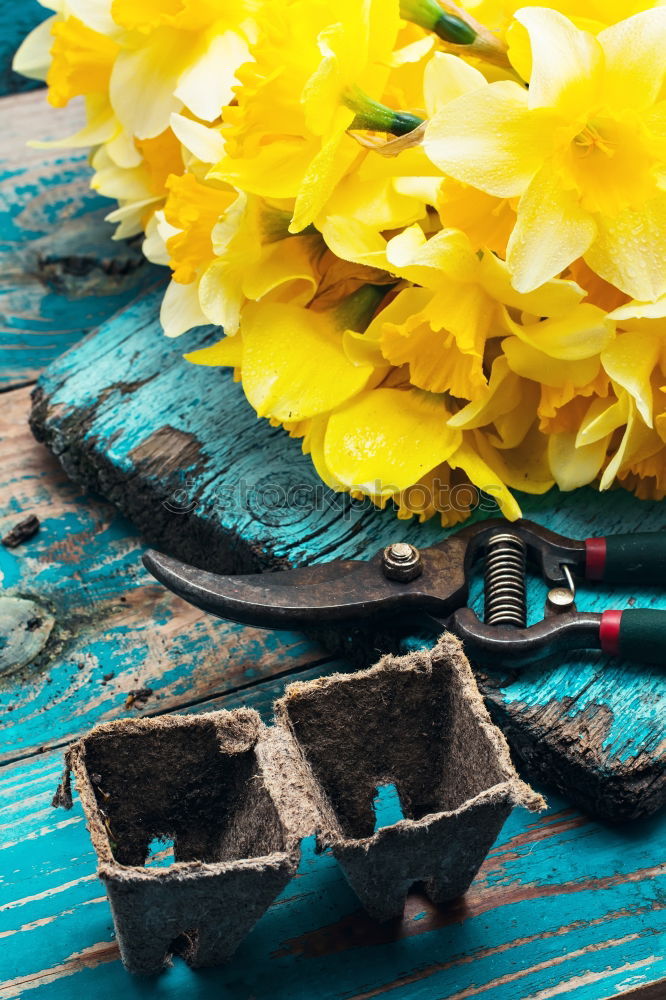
(564,906)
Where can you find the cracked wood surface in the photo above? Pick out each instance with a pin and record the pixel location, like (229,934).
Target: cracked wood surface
(54,289)
(115,630)
(562,907)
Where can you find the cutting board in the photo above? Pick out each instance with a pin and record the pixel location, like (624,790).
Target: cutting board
(178,450)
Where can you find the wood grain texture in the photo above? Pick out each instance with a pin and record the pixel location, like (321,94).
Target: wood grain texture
(562,907)
(61,274)
(17,19)
(113,629)
(179,451)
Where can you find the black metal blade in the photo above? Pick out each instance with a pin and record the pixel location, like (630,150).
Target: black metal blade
(339,591)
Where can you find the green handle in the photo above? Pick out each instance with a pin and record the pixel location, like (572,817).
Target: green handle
(640,557)
(636,634)
(643,635)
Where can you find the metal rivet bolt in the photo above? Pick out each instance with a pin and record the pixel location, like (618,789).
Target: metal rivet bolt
(560,599)
(402,561)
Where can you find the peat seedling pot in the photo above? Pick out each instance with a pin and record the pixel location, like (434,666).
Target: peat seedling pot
(417,723)
(198,782)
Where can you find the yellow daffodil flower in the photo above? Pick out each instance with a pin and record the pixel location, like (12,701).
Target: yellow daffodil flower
(315,70)
(193,209)
(584,149)
(183,53)
(440,326)
(140,186)
(246,255)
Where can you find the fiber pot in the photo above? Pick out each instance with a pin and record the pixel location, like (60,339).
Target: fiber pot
(417,723)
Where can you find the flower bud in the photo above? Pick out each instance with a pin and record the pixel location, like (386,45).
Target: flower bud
(429,15)
(378,117)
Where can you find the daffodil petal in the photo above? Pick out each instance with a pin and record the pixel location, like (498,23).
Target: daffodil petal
(122,149)
(354,241)
(207,144)
(526,360)
(362,350)
(326,169)
(488,138)
(130,218)
(510,429)
(630,361)
(406,304)
(275,171)
(554,298)
(566,62)
(486,479)
(630,249)
(32,58)
(285,350)
(151,72)
(500,396)
(423,261)
(634,51)
(640,310)
(313,445)
(154,246)
(387,439)
(574,466)
(583,333)
(413,52)
(100,127)
(180,310)
(551,231)
(206,86)
(227,353)
(524,467)
(446,77)
(290,262)
(602,418)
(95,14)
(634,439)
(221,295)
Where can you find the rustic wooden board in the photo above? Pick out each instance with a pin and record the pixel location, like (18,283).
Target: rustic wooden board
(533,924)
(179,451)
(61,274)
(84,570)
(562,907)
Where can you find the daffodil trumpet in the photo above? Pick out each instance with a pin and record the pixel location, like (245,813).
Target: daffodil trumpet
(432,236)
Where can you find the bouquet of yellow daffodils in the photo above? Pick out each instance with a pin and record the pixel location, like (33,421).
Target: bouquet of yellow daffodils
(434,236)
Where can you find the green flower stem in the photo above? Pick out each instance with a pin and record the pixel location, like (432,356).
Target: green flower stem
(356,310)
(429,15)
(377,117)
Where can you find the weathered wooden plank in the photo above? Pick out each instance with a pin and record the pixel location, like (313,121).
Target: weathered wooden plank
(178,450)
(61,273)
(115,630)
(17,19)
(532,925)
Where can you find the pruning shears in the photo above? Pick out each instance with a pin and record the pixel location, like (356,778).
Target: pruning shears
(431,585)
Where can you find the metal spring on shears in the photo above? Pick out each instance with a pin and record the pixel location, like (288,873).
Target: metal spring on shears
(504,581)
